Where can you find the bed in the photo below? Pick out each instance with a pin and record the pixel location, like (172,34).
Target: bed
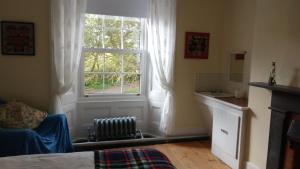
(100,159)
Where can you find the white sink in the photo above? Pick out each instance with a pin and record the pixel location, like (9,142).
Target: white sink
(217,94)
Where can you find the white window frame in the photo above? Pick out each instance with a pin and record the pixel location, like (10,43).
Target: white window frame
(143,71)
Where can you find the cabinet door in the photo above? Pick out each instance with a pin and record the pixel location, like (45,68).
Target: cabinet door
(226,131)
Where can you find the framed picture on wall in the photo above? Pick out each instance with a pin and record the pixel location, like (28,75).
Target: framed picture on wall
(17,38)
(196,45)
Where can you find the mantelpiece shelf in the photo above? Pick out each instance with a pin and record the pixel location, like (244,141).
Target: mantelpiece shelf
(279,88)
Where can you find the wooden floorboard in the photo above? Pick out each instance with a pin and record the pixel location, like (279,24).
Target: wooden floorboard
(190,155)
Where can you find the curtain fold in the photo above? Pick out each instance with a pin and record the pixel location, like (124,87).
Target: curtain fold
(161,25)
(67,24)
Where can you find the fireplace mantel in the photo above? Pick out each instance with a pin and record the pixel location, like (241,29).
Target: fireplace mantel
(284,104)
(278,88)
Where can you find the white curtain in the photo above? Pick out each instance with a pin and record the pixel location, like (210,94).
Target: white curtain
(161,24)
(67,23)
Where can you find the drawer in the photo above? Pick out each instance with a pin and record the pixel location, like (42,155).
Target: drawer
(226,131)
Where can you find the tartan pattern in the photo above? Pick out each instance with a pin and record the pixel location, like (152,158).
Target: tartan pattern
(131,159)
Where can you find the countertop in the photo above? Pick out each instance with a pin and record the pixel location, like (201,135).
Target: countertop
(237,103)
(242,102)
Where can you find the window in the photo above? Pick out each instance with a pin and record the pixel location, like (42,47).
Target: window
(113,55)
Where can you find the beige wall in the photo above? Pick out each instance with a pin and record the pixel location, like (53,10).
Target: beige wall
(239,16)
(276,38)
(27,77)
(269,31)
(195,16)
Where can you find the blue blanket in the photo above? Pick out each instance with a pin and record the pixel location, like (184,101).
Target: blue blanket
(52,136)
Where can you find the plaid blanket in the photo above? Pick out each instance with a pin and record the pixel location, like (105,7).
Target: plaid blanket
(132,159)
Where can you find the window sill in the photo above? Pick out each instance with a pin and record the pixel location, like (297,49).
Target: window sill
(111,98)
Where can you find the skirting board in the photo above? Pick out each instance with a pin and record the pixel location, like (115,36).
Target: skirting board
(189,132)
(90,146)
(250,165)
(181,131)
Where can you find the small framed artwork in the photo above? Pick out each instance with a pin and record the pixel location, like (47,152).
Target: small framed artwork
(17,38)
(196,45)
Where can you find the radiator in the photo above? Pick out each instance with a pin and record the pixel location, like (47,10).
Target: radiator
(115,128)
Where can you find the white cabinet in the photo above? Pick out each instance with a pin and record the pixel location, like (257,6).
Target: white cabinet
(227,131)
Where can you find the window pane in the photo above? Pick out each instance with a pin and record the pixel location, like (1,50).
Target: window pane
(93,83)
(112,83)
(93,62)
(93,31)
(112,39)
(132,63)
(113,62)
(114,69)
(92,20)
(92,37)
(132,23)
(113,22)
(132,84)
(131,39)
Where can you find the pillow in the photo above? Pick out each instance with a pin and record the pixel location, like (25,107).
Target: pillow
(19,115)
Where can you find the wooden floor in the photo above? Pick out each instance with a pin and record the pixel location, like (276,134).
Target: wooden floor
(191,155)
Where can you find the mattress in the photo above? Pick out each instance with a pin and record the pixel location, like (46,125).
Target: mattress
(77,160)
